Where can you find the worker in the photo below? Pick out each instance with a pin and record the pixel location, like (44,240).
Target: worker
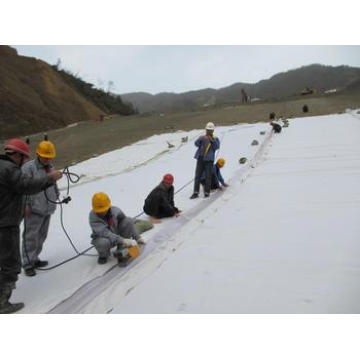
(217,181)
(111,227)
(38,210)
(206,147)
(160,202)
(276,126)
(13,185)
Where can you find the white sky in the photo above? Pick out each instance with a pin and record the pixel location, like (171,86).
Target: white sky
(138,25)
(179,68)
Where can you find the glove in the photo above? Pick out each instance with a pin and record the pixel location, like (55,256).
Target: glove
(129,242)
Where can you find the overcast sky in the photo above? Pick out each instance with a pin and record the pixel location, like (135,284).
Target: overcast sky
(178,68)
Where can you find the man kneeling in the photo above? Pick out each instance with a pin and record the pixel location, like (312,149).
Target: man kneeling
(110,227)
(160,202)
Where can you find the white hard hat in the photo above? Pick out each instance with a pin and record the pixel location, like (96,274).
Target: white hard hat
(210,126)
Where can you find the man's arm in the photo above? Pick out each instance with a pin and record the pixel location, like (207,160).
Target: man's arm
(215,143)
(24,184)
(100,229)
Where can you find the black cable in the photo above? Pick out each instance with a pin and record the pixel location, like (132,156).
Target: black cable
(24,234)
(65,232)
(68,260)
(71,178)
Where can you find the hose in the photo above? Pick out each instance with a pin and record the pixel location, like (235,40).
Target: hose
(71,178)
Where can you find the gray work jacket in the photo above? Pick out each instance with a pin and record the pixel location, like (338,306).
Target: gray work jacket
(38,203)
(100,227)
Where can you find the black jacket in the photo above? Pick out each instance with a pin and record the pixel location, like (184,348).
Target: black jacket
(160,201)
(276,127)
(13,185)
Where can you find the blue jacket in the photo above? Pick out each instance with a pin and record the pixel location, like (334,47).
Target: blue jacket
(206,148)
(216,177)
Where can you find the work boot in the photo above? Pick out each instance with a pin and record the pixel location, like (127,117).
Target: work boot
(30,271)
(5,306)
(206,194)
(41,263)
(194,196)
(8,308)
(102,260)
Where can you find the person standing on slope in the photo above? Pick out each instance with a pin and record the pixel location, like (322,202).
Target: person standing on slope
(38,210)
(110,227)
(205,155)
(160,202)
(13,185)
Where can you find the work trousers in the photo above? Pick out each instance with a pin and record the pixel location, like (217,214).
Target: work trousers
(10,260)
(36,228)
(201,166)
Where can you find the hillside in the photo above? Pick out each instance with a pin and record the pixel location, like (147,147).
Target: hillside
(280,86)
(34,96)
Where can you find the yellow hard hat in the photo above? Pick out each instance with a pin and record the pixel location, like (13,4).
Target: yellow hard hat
(221,162)
(46,149)
(100,202)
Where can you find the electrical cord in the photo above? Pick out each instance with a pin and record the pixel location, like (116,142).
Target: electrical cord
(71,178)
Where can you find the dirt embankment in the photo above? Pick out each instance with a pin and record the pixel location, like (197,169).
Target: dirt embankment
(34,97)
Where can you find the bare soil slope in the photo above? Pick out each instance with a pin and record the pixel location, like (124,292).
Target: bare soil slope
(33,96)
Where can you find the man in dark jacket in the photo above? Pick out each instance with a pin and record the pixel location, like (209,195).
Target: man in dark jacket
(160,202)
(13,185)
